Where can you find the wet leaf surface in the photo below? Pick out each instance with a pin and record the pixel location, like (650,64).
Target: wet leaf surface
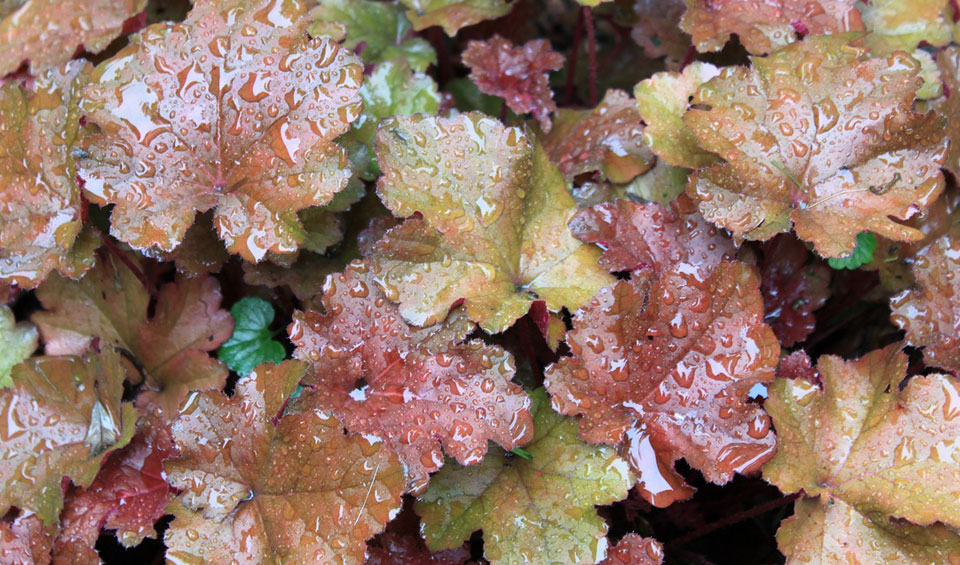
(930,312)
(47,33)
(234,110)
(606,139)
(18,340)
(416,389)
(821,137)
(516,73)
(492,226)
(635,550)
(40,208)
(661,368)
(252,341)
(541,509)
(261,489)
(794,286)
(764,26)
(60,417)
(870,448)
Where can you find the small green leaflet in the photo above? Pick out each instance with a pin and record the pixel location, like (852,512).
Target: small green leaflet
(861,255)
(252,341)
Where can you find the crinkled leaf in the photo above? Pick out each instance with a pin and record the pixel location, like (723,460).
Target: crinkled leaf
(109,306)
(662,366)
(861,254)
(793,286)
(378,30)
(252,341)
(18,340)
(516,73)
(454,15)
(535,511)
(656,28)
(48,32)
(868,449)
(128,495)
(58,420)
(304,277)
(296,491)
(493,230)
(897,25)
(662,100)
(635,550)
(763,26)
(40,221)
(652,236)
(820,136)
(235,110)
(930,313)
(834,532)
(415,388)
(605,139)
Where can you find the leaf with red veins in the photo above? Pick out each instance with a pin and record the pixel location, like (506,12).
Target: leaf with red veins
(399,549)
(662,367)
(453,15)
(608,139)
(870,449)
(128,495)
(488,228)
(49,32)
(930,313)
(416,388)
(298,490)
(25,539)
(40,205)
(635,550)
(516,73)
(819,136)
(764,26)
(58,420)
(652,236)
(109,306)
(235,110)
(793,286)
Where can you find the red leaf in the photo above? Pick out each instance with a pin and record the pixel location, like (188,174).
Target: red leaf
(793,287)
(518,74)
(662,367)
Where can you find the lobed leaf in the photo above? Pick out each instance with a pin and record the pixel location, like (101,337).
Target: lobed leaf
(541,509)
(821,137)
(516,73)
(298,490)
(416,388)
(40,204)
(930,313)
(252,341)
(661,368)
(492,225)
(793,286)
(234,110)
(47,33)
(454,15)
(18,340)
(109,306)
(869,450)
(61,416)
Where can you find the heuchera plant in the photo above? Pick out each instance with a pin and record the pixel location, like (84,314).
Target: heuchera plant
(628,282)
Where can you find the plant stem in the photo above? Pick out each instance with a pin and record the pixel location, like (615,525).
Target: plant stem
(591,53)
(732,519)
(574,56)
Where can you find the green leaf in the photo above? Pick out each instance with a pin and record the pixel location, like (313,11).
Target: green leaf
(17,342)
(381,27)
(539,509)
(862,253)
(252,341)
